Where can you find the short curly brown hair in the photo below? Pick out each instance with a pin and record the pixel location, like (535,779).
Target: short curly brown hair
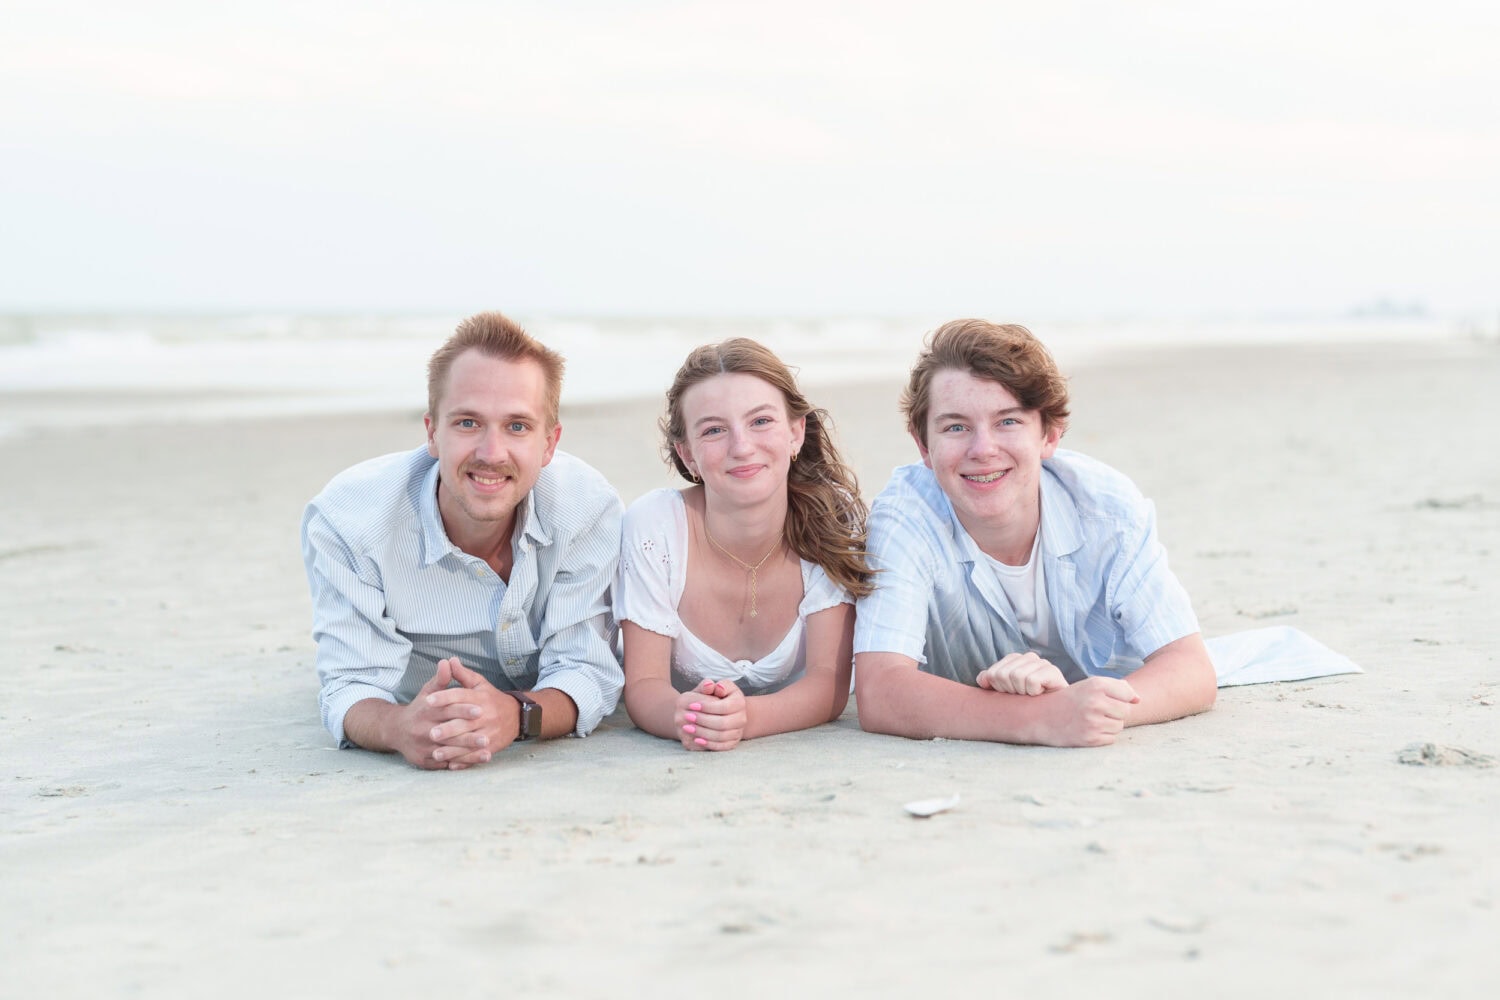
(1000,352)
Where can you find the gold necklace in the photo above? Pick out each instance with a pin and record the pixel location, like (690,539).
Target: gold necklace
(748,567)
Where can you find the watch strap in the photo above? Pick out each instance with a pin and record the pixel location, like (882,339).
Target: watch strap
(531,716)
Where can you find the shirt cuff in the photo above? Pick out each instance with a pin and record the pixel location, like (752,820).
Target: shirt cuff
(662,627)
(1154,635)
(585,694)
(831,601)
(337,705)
(886,641)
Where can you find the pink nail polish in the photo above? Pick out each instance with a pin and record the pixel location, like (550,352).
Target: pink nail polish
(696,706)
(691,717)
(690,729)
(701,742)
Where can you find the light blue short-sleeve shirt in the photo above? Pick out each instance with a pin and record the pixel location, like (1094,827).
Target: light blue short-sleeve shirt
(1113,598)
(392,595)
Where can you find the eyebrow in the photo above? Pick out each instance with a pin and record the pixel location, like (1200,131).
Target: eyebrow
(964,416)
(750,412)
(466,411)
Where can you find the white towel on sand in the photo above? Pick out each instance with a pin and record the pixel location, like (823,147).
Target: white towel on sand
(1280,653)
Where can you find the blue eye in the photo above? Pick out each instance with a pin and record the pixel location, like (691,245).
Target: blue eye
(517,427)
(468,422)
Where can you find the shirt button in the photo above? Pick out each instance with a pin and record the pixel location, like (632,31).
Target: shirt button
(505,626)
(743,665)
(513,660)
(479,571)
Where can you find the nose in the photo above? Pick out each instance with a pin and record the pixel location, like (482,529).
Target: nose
(982,442)
(739,442)
(491,448)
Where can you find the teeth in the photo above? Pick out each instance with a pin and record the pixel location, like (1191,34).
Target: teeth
(985,479)
(486,482)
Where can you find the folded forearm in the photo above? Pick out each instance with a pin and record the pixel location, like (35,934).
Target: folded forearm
(810,701)
(921,706)
(1176,681)
(652,705)
(367,724)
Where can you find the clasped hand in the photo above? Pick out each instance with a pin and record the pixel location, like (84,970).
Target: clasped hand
(1090,713)
(1023,673)
(711,716)
(457,727)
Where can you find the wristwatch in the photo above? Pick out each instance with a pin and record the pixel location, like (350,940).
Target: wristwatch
(531,716)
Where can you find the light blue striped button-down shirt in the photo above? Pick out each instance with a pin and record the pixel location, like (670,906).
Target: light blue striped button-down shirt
(392,595)
(1113,598)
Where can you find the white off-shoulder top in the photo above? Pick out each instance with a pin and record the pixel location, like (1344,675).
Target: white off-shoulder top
(648,588)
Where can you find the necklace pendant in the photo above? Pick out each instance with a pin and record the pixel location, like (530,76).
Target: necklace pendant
(754,613)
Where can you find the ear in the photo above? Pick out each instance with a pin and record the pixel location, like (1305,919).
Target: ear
(926,458)
(431,427)
(1050,438)
(683,454)
(553,436)
(799,433)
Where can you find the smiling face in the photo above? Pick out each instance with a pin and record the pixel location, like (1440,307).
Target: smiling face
(738,438)
(491,438)
(986,452)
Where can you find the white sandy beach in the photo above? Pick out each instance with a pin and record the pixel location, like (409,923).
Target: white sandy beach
(174,822)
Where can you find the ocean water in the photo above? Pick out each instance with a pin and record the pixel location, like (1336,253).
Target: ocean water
(99,370)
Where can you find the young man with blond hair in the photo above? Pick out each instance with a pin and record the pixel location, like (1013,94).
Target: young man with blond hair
(1022,595)
(461,591)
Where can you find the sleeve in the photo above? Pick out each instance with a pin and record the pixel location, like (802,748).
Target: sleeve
(360,653)
(893,619)
(648,566)
(820,593)
(1150,607)
(578,633)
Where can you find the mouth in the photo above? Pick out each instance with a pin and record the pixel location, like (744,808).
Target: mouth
(487,481)
(988,477)
(744,471)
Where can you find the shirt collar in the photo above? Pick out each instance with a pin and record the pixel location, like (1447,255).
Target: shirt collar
(435,541)
(532,528)
(1062,532)
(968,549)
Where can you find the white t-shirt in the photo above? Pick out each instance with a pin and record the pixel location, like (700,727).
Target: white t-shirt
(1025,587)
(649,585)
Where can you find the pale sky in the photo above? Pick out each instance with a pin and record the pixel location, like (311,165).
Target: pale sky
(1023,160)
